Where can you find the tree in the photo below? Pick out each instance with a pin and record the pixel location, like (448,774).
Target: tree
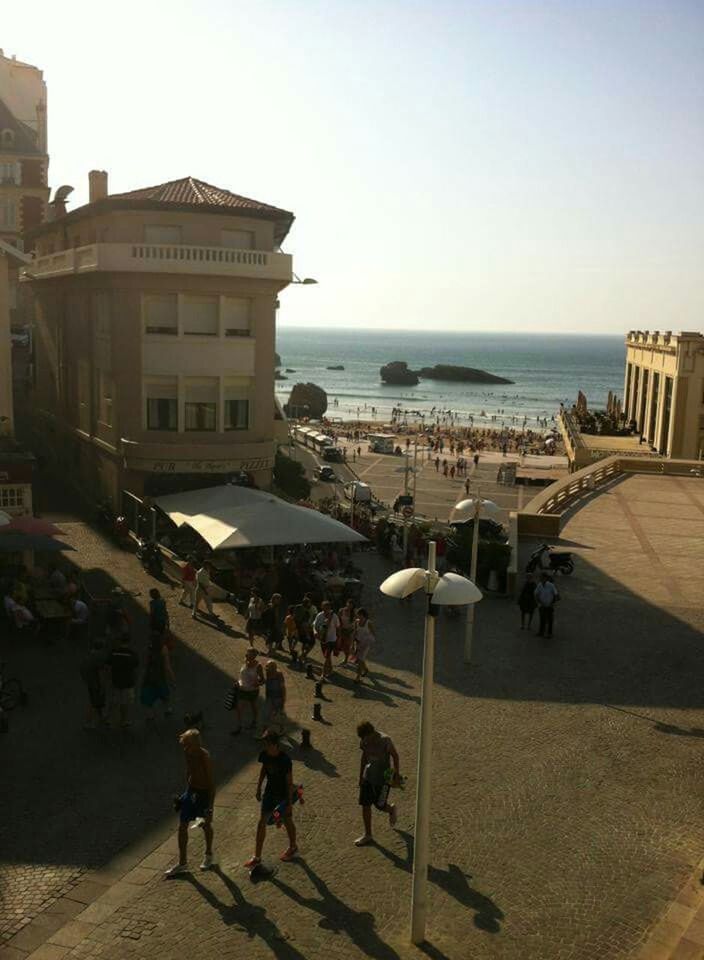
(290,477)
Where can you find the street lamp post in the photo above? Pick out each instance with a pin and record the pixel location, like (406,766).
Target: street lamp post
(473,509)
(450,590)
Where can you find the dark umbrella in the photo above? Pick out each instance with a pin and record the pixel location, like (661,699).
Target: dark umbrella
(17,542)
(33,526)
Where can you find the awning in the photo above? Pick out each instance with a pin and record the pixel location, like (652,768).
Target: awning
(229,516)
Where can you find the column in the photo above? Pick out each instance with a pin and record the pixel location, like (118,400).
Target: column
(5,344)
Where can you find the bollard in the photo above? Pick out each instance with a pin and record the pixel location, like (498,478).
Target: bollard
(305,739)
(310,671)
(317,712)
(319,689)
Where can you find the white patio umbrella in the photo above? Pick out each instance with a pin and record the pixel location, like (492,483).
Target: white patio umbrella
(4,518)
(228,517)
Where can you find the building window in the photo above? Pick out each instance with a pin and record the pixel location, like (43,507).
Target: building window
(9,172)
(7,138)
(157,234)
(83,396)
(105,395)
(101,312)
(236,316)
(236,398)
(8,212)
(161,394)
(201,403)
(200,316)
(11,497)
(237,239)
(161,313)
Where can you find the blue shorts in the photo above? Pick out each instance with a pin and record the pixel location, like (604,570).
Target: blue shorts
(270,802)
(194,804)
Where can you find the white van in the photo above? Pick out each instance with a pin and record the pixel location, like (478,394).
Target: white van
(358,491)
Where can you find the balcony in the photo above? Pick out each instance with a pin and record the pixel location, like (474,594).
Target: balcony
(161,258)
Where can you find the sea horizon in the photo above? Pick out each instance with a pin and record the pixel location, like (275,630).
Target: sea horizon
(545,369)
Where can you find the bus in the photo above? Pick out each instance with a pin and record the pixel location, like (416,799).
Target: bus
(312,438)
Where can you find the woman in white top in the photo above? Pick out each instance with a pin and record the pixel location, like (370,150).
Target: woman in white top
(364,637)
(251,678)
(255,609)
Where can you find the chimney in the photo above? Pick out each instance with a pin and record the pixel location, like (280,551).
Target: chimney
(97,185)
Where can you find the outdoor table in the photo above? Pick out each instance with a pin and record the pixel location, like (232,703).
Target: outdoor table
(42,591)
(51,609)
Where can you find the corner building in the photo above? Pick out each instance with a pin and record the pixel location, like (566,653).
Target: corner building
(664,391)
(155,327)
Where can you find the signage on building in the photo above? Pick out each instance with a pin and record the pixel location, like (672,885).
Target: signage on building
(201,466)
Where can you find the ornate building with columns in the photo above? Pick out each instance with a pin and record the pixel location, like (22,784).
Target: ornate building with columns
(664,390)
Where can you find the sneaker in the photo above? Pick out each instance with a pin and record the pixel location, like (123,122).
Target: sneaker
(176,870)
(289,854)
(252,862)
(393,815)
(207,862)
(363,841)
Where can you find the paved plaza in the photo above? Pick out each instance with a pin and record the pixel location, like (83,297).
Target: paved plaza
(567,777)
(436,494)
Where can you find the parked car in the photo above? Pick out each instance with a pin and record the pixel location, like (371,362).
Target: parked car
(488,529)
(325,474)
(333,455)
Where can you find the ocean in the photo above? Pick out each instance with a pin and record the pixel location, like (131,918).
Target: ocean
(547,369)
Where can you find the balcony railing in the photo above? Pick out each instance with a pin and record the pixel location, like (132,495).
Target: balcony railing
(162,258)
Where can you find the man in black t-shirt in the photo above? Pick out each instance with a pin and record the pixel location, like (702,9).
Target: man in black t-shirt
(123,663)
(277,771)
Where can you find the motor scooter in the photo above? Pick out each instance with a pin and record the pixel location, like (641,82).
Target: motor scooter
(560,561)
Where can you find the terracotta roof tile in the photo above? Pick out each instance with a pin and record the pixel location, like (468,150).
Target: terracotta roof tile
(198,193)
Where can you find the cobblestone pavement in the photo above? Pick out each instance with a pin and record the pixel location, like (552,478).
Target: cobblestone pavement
(567,778)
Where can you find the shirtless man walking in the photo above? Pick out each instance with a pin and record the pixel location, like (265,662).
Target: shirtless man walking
(196,803)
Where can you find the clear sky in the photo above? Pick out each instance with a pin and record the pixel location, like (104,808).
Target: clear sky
(522,165)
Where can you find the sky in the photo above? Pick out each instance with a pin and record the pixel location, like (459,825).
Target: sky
(530,165)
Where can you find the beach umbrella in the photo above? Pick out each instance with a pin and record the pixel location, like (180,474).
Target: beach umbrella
(34,526)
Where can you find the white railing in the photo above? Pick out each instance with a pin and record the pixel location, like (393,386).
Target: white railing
(180,253)
(162,258)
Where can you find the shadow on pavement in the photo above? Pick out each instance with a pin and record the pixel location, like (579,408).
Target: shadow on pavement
(249,919)
(312,758)
(610,646)
(102,788)
(337,917)
(454,881)
(658,725)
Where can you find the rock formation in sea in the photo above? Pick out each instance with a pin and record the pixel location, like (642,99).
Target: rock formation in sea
(397,372)
(277,360)
(338,366)
(447,371)
(306,400)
